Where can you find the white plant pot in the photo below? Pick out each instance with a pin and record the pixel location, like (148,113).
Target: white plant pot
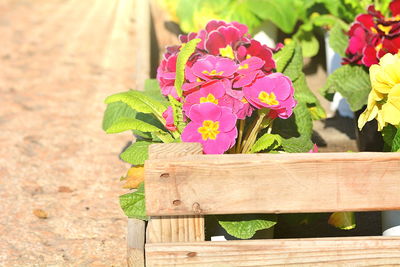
(267,34)
(332,63)
(391,223)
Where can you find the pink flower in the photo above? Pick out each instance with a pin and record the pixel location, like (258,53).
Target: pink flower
(255,49)
(168,115)
(212,67)
(274,91)
(314,149)
(166,72)
(211,125)
(211,91)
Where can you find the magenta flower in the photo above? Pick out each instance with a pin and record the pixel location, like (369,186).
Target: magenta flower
(168,115)
(212,67)
(211,125)
(211,91)
(255,49)
(274,91)
(314,149)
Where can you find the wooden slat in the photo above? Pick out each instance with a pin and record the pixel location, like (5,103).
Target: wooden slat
(350,251)
(175,229)
(136,234)
(273,183)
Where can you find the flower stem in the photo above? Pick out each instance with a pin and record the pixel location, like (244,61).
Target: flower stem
(257,125)
(239,140)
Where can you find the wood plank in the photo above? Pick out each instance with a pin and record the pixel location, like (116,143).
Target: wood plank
(273,183)
(175,229)
(136,234)
(350,251)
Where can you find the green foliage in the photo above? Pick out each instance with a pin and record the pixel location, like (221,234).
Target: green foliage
(343,220)
(152,89)
(245,226)
(388,134)
(178,115)
(114,112)
(396,142)
(338,39)
(139,102)
(266,142)
(284,56)
(136,153)
(125,124)
(352,82)
(183,56)
(133,204)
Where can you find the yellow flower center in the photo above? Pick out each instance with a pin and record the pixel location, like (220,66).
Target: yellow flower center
(210,98)
(269,99)
(244,100)
(373,30)
(378,47)
(227,52)
(248,56)
(212,73)
(385,29)
(245,66)
(209,130)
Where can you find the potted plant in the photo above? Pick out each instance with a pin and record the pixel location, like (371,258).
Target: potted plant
(225,90)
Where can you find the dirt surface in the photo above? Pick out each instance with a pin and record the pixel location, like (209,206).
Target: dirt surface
(59,172)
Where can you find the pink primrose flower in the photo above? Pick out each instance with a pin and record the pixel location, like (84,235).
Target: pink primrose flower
(212,67)
(256,49)
(168,115)
(211,125)
(211,91)
(314,149)
(274,91)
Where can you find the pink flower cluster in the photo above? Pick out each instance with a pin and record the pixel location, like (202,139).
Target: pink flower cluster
(372,35)
(227,77)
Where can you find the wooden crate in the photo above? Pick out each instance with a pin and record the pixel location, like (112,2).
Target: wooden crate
(182,185)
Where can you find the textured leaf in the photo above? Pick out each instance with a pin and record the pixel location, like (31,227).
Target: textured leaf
(183,56)
(388,134)
(309,43)
(178,114)
(343,220)
(267,141)
(396,142)
(352,82)
(245,226)
(294,68)
(125,124)
(282,13)
(139,102)
(133,204)
(283,57)
(115,111)
(305,95)
(338,39)
(297,144)
(136,153)
(152,89)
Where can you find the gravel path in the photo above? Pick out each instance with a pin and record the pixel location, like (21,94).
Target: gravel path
(59,59)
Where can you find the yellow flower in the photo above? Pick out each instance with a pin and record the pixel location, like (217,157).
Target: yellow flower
(384,98)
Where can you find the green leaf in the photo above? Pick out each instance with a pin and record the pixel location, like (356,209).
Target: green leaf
(283,57)
(136,153)
(178,114)
(125,124)
(343,220)
(267,141)
(282,13)
(396,142)
(294,68)
(352,82)
(114,112)
(308,41)
(305,95)
(139,102)
(183,56)
(133,204)
(245,226)
(388,134)
(152,89)
(297,144)
(338,38)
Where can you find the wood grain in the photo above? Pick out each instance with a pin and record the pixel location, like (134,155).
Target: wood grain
(350,251)
(279,183)
(136,234)
(174,229)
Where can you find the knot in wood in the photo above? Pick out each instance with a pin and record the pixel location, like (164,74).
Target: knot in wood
(191,254)
(164,175)
(176,202)
(196,208)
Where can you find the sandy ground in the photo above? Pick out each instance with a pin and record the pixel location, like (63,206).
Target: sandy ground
(59,59)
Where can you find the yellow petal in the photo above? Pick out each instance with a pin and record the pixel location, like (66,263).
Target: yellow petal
(391,114)
(134,177)
(394,96)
